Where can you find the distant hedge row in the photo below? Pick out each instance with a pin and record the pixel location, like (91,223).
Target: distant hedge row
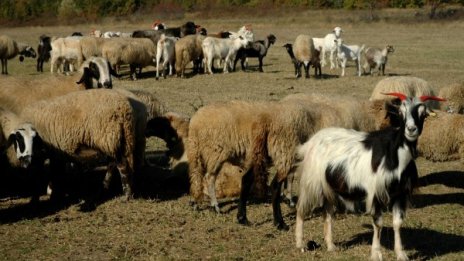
(24,10)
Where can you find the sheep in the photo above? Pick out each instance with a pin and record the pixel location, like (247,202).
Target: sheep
(376,58)
(135,52)
(442,138)
(182,31)
(346,166)
(349,53)
(296,63)
(410,86)
(9,49)
(187,49)
(305,53)
(21,145)
(66,50)
(327,44)
(158,25)
(454,95)
(223,49)
(16,93)
(43,51)
(258,49)
(82,126)
(165,49)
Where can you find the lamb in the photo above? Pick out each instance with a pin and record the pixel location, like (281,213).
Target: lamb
(9,49)
(346,166)
(135,52)
(376,58)
(442,138)
(408,85)
(188,49)
(454,95)
(327,44)
(43,51)
(87,125)
(258,49)
(17,93)
(305,53)
(223,49)
(349,53)
(165,49)
(296,63)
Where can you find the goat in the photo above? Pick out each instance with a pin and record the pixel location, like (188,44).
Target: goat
(43,51)
(223,49)
(258,49)
(377,58)
(349,53)
(346,166)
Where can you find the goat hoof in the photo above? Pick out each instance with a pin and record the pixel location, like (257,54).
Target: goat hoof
(312,245)
(282,226)
(243,221)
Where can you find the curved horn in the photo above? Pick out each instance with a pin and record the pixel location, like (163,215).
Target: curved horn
(426,98)
(401,96)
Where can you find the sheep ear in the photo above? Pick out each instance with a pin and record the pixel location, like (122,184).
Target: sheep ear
(86,77)
(11,140)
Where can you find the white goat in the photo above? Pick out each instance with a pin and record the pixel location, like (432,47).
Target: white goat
(223,49)
(349,53)
(165,49)
(346,166)
(329,46)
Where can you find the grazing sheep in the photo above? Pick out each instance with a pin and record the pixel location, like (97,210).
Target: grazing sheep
(258,49)
(84,126)
(9,49)
(17,93)
(442,138)
(342,166)
(296,63)
(454,95)
(165,49)
(43,51)
(410,86)
(188,49)
(21,145)
(305,53)
(376,58)
(349,53)
(135,52)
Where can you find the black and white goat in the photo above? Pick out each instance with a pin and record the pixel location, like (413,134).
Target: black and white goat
(258,50)
(342,166)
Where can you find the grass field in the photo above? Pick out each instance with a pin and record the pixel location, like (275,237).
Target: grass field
(163,226)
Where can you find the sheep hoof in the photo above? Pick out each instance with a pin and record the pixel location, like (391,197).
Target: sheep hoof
(243,221)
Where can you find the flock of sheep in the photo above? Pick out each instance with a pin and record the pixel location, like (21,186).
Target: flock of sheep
(342,150)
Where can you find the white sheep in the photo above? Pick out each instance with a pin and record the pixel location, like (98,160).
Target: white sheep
(165,49)
(66,50)
(9,49)
(454,95)
(84,126)
(349,53)
(376,59)
(343,166)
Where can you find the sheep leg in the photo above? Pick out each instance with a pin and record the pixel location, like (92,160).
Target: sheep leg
(306,66)
(288,183)
(6,66)
(3,66)
(211,181)
(398,215)
(376,254)
(247,182)
(126,180)
(277,211)
(328,226)
(260,59)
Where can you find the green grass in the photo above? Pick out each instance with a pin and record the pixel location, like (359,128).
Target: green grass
(164,227)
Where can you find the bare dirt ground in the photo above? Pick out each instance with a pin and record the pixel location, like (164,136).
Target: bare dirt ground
(161,225)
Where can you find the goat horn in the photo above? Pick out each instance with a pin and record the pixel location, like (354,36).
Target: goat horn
(426,98)
(401,96)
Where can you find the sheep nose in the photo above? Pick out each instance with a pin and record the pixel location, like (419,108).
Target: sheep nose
(108,85)
(412,128)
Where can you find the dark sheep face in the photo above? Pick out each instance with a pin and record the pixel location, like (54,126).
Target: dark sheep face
(24,139)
